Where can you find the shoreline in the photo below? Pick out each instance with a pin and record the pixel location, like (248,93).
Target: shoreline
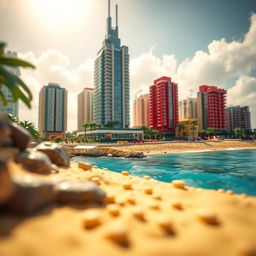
(163,207)
(198,151)
(190,147)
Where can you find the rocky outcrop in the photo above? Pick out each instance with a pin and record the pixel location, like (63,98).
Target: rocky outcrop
(79,192)
(55,152)
(23,194)
(6,184)
(31,193)
(35,161)
(112,152)
(107,152)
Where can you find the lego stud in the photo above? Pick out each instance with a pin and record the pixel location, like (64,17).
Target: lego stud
(91,219)
(178,184)
(207,217)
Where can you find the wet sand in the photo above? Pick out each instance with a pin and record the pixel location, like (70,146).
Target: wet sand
(59,230)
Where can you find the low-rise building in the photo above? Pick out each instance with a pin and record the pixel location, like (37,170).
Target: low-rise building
(114,134)
(189,132)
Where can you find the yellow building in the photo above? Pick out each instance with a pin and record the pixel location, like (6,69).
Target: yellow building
(187,130)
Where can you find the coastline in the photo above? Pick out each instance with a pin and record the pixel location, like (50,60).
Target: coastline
(199,151)
(189,147)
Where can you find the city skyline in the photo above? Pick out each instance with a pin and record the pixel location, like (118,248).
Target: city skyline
(227,63)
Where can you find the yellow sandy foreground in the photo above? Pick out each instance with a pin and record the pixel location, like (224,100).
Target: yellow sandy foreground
(143,217)
(189,146)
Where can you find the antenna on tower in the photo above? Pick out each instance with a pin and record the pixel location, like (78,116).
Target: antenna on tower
(108,8)
(116,15)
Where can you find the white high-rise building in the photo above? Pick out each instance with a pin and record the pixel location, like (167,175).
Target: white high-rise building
(84,108)
(188,109)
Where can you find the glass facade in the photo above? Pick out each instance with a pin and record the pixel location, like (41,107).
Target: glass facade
(111,81)
(54,109)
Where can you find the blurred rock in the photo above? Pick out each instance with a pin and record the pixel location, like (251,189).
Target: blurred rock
(4,130)
(35,161)
(31,193)
(57,153)
(20,136)
(79,192)
(8,153)
(33,144)
(8,142)
(6,184)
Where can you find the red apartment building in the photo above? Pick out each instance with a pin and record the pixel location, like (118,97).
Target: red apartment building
(164,105)
(211,102)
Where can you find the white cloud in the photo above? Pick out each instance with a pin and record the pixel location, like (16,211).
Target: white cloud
(244,94)
(53,66)
(222,61)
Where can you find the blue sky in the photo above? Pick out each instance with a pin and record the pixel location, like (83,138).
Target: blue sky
(165,37)
(178,27)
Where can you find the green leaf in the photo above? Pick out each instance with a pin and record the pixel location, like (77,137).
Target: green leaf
(2,45)
(10,81)
(3,98)
(15,62)
(24,86)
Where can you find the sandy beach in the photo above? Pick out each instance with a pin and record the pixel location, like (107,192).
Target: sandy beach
(173,147)
(153,217)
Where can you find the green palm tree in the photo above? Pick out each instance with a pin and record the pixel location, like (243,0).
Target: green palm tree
(239,131)
(146,132)
(202,133)
(193,123)
(93,126)
(26,124)
(180,127)
(17,87)
(154,133)
(12,118)
(86,126)
(31,128)
(209,131)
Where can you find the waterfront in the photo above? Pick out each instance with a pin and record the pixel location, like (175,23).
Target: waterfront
(230,169)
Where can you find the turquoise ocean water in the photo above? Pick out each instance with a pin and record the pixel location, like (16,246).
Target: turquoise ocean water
(230,169)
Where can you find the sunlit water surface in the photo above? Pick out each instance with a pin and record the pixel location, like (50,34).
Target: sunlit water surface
(230,169)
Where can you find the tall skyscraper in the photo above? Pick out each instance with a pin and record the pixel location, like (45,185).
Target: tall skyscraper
(111,79)
(12,107)
(141,111)
(164,105)
(84,108)
(52,120)
(238,117)
(188,108)
(211,104)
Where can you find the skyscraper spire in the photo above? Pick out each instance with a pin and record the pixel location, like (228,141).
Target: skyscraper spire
(112,86)
(116,15)
(108,19)
(116,20)
(108,8)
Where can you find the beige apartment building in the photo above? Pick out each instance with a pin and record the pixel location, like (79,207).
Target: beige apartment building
(84,108)
(52,118)
(188,108)
(141,111)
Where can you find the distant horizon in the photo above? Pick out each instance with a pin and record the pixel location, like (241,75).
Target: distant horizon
(64,45)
